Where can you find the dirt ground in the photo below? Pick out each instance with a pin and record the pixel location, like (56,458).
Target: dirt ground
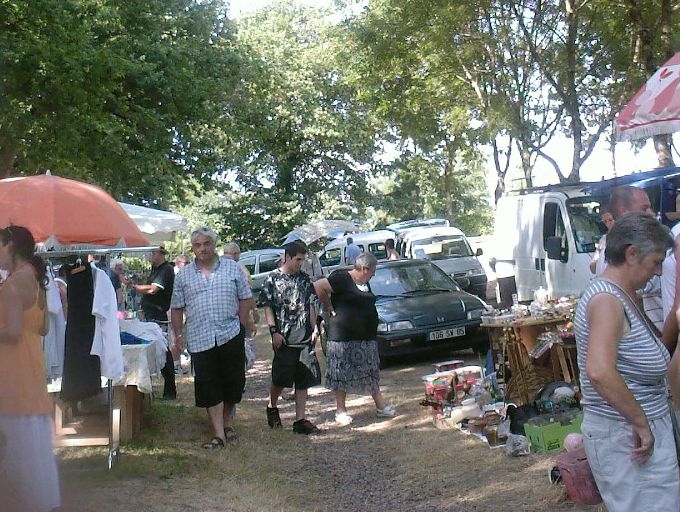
(399,464)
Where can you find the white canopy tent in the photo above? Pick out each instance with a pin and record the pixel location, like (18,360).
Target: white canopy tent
(158,225)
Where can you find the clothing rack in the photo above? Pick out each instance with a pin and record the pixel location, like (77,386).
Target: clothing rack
(67,435)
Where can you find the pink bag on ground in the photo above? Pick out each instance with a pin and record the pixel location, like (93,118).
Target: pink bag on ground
(578,478)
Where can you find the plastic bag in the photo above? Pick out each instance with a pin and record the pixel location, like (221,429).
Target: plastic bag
(250,353)
(504,428)
(578,477)
(517,445)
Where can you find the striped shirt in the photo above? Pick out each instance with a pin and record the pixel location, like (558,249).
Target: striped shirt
(653,302)
(642,360)
(211,303)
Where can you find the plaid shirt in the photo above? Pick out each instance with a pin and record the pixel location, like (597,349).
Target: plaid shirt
(211,304)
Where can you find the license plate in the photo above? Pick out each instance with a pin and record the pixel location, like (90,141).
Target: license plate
(446,333)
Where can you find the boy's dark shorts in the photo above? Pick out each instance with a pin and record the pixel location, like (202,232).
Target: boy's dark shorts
(292,365)
(220,373)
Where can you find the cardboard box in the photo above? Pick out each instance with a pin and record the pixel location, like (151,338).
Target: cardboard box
(548,437)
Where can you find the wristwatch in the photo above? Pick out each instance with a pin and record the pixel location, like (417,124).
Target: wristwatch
(273,329)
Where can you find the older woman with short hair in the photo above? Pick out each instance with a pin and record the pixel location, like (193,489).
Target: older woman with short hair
(627,428)
(352,350)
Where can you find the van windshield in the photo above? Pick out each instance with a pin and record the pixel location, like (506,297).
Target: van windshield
(443,247)
(584,214)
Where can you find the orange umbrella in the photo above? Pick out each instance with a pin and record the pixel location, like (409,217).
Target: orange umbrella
(66,212)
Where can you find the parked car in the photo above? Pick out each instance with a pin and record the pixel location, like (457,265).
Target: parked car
(260,263)
(449,249)
(422,309)
(332,256)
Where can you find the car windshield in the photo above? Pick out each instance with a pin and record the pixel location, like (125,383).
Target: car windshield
(585,222)
(442,247)
(410,280)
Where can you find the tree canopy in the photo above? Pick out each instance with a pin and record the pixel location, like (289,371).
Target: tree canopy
(261,123)
(121,93)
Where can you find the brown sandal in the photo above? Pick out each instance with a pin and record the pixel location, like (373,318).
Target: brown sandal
(230,434)
(214,444)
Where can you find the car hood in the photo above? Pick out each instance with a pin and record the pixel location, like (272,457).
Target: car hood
(427,309)
(454,265)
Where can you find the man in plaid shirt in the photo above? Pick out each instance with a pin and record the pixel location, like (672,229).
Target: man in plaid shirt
(212,294)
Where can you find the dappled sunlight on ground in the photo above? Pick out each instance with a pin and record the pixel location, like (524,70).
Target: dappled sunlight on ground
(395,464)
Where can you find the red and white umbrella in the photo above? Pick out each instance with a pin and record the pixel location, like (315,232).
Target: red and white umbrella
(655,109)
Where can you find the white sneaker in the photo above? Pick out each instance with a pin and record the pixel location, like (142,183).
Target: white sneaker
(386,412)
(343,419)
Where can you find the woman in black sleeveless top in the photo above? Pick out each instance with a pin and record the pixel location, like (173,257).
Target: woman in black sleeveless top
(353,360)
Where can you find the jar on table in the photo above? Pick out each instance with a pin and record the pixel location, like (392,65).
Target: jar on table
(491,433)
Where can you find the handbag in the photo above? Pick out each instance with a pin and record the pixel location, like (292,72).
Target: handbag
(675,421)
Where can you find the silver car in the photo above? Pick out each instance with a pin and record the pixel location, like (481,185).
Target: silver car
(260,263)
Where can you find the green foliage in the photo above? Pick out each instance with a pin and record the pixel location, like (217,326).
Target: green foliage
(121,93)
(523,69)
(415,191)
(298,143)
(407,56)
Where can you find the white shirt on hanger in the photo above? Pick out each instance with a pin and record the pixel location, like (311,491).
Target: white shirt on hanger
(106,343)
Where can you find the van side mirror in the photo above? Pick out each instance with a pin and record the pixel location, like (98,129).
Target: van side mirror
(479,251)
(553,246)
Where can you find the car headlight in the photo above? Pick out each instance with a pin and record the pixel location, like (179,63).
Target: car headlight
(399,326)
(384,327)
(475,272)
(475,314)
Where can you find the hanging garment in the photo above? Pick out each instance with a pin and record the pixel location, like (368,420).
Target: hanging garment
(53,341)
(82,378)
(106,343)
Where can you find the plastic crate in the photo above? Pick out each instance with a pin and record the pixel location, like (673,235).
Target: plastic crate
(549,437)
(437,385)
(437,392)
(445,366)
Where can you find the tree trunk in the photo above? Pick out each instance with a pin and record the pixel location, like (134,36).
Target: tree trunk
(500,188)
(448,171)
(662,146)
(527,168)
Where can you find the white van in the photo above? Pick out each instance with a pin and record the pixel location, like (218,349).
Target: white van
(549,238)
(333,255)
(449,249)
(548,234)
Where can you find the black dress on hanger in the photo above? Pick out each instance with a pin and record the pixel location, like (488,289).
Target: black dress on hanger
(82,375)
